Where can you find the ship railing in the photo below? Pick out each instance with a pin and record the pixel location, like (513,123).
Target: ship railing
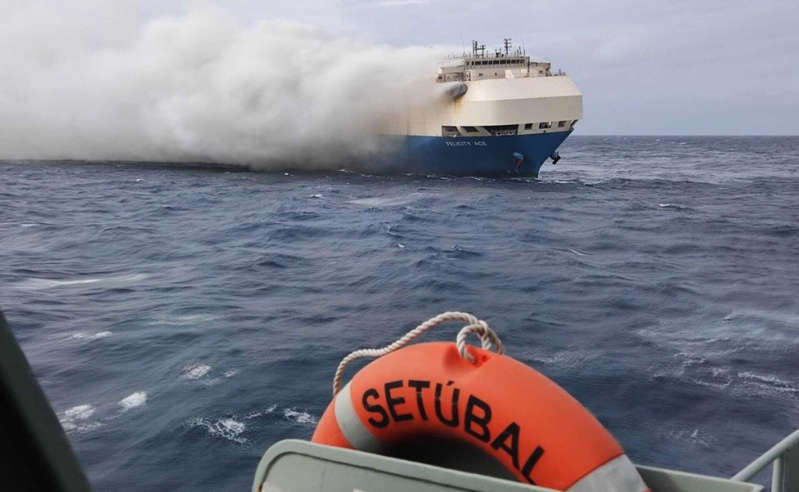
(785,470)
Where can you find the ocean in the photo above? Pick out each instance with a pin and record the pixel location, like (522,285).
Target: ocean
(182,320)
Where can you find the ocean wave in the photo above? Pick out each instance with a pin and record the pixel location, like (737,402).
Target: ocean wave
(391,201)
(49,283)
(768,383)
(256,414)
(299,416)
(195,371)
(566,358)
(711,336)
(577,252)
(693,436)
(78,412)
(186,319)
(91,336)
(232,427)
(225,428)
(133,400)
(75,419)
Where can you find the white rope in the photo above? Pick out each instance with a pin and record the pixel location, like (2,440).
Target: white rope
(488,339)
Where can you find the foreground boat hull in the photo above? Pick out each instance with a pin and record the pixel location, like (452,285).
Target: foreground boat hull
(521,155)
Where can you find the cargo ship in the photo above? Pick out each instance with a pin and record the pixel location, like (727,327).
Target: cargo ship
(503,112)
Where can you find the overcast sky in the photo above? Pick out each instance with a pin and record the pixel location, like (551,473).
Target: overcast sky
(657,67)
(652,67)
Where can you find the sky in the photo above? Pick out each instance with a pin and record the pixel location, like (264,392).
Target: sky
(202,80)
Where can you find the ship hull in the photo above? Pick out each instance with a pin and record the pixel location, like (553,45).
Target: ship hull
(473,156)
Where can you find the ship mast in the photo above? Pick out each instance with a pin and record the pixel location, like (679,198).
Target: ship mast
(481,48)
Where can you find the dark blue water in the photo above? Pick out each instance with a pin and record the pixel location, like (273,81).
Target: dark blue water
(181,321)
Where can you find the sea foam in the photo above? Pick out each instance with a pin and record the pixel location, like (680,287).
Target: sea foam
(133,400)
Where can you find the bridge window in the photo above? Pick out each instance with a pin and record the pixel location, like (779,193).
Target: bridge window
(528,126)
(561,124)
(545,124)
(449,131)
(470,129)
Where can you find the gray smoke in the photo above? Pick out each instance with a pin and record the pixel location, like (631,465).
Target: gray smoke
(99,84)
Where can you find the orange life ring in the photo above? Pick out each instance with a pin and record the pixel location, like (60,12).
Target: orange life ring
(533,427)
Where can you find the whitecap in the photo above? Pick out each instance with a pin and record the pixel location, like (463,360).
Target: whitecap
(226,428)
(299,416)
(768,382)
(578,252)
(79,412)
(74,419)
(44,283)
(566,359)
(672,205)
(256,414)
(195,371)
(393,201)
(187,319)
(88,426)
(694,436)
(231,373)
(91,336)
(133,400)
(48,283)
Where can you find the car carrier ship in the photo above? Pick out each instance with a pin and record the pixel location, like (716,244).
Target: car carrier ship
(504,113)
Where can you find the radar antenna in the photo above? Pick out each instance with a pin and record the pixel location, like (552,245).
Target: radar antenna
(478,50)
(507,45)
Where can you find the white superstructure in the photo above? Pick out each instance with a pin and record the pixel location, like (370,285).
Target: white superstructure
(503,93)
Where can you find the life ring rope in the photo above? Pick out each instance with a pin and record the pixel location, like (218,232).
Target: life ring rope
(488,339)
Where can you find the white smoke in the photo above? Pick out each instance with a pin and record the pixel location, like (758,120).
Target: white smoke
(100,84)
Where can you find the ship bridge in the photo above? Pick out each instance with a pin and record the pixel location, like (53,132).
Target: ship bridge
(501,64)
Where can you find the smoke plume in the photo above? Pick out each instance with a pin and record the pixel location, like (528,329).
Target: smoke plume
(102,85)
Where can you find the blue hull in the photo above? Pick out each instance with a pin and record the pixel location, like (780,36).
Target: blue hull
(469,156)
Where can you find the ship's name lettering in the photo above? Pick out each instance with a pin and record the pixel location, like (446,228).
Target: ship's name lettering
(467,143)
(394,403)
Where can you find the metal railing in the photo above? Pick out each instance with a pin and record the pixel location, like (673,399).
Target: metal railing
(785,472)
